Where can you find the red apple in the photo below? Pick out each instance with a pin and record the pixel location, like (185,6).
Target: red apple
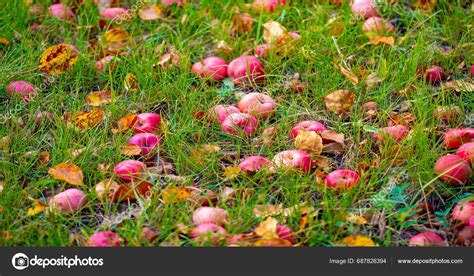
(365,8)
(68,201)
(246,69)
(130,170)
(453,169)
(396,132)
(377,26)
(257,104)
(463,211)
(284,232)
(220,112)
(454,138)
(147,122)
(217,216)
(25,89)
(60,11)
(472,71)
(171,2)
(114,13)
(237,123)
(104,239)
(263,50)
(427,239)
(146,141)
(269,5)
(211,68)
(254,163)
(471,222)
(434,74)
(341,179)
(292,159)
(208,232)
(308,126)
(466,152)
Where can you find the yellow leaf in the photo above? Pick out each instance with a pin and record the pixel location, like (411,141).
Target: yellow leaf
(91,119)
(99,98)
(274,242)
(358,241)
(68,172)
(309,141)
(130,83)
(426,5)
(115,39)
(198,155)
(267,210)
(150,13)
(57,59)
(43,158)
(349,75)
(37,208)
(388,40)
(125,123)
(353,218)
(223,47)
(131,150)
(232,172)
(267,228)
(339,101)
(174,194)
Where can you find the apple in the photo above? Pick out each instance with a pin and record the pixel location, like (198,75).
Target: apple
(147,122)
(213,215)
(257,104)
(466,152)
(130,170)
(211,68)
(434,74)
(308,126)
(263,50)
(254,163)
(284,232)
(220,112)
(104,239)
(292,159)
(463,211)
(61,11)
(269,5)
(472,71)
(168,60)
(471,222)
(427,239)
(114,13)
(465,237)
(239,122)
(447,113)
(25,89)
(453,169)
(67,201)
(341,179)
(171,2)
(396,132)
(208,232)
(246,69)
(365,8)
(146,141)
(377,26)
(454,138)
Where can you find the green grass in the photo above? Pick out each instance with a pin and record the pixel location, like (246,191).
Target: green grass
(387,196)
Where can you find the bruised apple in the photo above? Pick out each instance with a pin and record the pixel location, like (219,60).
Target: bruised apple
(434,74)
(104,239)
(427,239)
(292,159)
(308,126)
(254,163)
(257,104)
(454,138)
(341,179)
(214,215)
(246,69)
(211,68)
(397,133)
(68,201)
(60,11)
(239,122)
(146,141)
(466,152)
(147,122)
(463,211)
(453,169)
(25,89)
(220,112)
(365,8)
(377,26)
(130,170)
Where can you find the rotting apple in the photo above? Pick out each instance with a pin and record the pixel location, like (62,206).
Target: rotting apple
(396,132)
(130,170)
(292,159)
(254,163)
(341,179)
(239,122)
(427,239)
(454,138)
(463,211)
(466,152)
(257,104)
(147,123)
(308,126)
(365,8)
(104,239)
(67,201)
(434,74)
(246,70)
(453,169)
(213,215)
(61,11)
(25,89)
(377,26)
(146,141)
(211,68)
(220,112)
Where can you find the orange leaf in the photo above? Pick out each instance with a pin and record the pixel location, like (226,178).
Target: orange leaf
(329,136)
(131,150)
(99,98)
(426,5)
(70,173)
(150,13)
(339,101)
(4,41)
(125,123)
(57,59)
(174,194)
(91,119)
(274,242)
(115,39)
(358,241)
(388,40)
(349,75)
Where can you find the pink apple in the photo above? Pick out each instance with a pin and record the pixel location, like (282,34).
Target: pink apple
(130,170)
(472,71)
(463,211)
(211,68)
(466,152)
(396,132)
(147,122)
(308,126)
(427,239)
(246,69)
(269,5)
(377,26)
(454,138)
(114,13)
(68,201)
(171,2)
(263,50)
(254,163)
(284,232)
(292,159)
(61,11)
(471,222)
(146,141)
(341,179)
(257,104)
(434,74)
(365,8)
(220,112)
(237,123)
(453,169)
(25,89)
(208,232)
(465,237)
(214,215)
(104,239)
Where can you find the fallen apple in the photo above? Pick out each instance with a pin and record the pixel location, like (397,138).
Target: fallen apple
(463,211)
(211,68)
(453,169)
(365,8)
(466,152)
(61,11)
(269,5)
(396,132)
(284,232)
(292,159)
(434,74)
(246,69)
(147,122)
(130,170)
(254,163)
(115,13)
(25,89)
(220,112)
(262,50)
(454,138)
(257,104)
(68,201)
(447,113)
(308,126)
(213,215)
(146,141)
(341,179)
(377,26)
(208,232)
(107,62)
(239,122)
(104,239)
(427,239)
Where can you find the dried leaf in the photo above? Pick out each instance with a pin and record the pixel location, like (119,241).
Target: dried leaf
(358,241)
(330,136)
(425,5)
(130,83)
(68,172)
(150,13)
(349,75)
(223,47)
(268,136)
(131,150)
(339,101)
(333,148)
(57,59)
(115,39)
(275,34)
(376,40)
(459,85)
(38,207)
(198,155)
(309,141)
(267,228)
(125,123)
(99,98)
(356,219)
(242,22)
(85,120)
(274,242)
(43,158)
(75,153)
(267,210)
(373,81)
(4,41)
(174,194)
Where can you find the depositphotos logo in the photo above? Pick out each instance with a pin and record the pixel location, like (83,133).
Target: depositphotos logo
(20,261)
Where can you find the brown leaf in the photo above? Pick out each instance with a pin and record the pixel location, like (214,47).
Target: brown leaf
(99,98)
(131,150)
(459,85)
(125,123)
(130,83)
(322,162)
(376,40)
(224,48)
(425,5)
(68,172)
(43,158)
(267,228)
(329,136)
(242,22)
(175,194)
(309,141)
(106,189)
(85,120)
(198,155)
(57,59)
(373,81)
(349,75)
(339,101)
(75,153)
(268,136)
(150,13)
(333,148)
(38,207)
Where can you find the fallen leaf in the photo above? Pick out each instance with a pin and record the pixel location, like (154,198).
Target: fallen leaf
(268,135)
(275,242)
(459,85)
(242,22)
(376,40)
(309,141)
(199,154)
(349,75)
(150,13)
(322,162)
(43,158)
(174,194)
(58,59)
(99,98)
(103,167)
(333,148)
(232,172)
(330,136)
(129,191)
(131,150)
(356,219)
(68,172)
(275,34)
(339,101)
(37,208)
(267,210)
(224,48)
(115,39)
(130,83)
(267,228)
(4,41)
(75,153)
(85,120)
(373,81)
(425,5)
(125,123)
(358,241)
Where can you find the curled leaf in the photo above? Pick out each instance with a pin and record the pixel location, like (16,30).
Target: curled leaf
(349,75)
(68,172)
(340,101)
